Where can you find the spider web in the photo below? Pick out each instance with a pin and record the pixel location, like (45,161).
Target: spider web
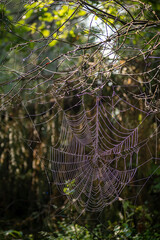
(86,94)
(85,154)
(84,65)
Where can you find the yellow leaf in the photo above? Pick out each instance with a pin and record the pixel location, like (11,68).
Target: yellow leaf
(45,33)
(72,33)
(33,28)
(82,13)
(53,43)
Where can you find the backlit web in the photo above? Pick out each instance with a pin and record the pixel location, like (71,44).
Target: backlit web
(96,156)
(89,103)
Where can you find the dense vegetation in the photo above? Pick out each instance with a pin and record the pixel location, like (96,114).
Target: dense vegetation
(34,35)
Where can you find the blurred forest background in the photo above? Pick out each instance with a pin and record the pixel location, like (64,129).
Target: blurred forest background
(30,207)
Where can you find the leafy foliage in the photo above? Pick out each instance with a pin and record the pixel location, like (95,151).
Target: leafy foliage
(24,197)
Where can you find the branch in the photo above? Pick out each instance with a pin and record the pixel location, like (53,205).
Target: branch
(106,14)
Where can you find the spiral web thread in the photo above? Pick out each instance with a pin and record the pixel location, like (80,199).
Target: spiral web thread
(97,152)
(93,181)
